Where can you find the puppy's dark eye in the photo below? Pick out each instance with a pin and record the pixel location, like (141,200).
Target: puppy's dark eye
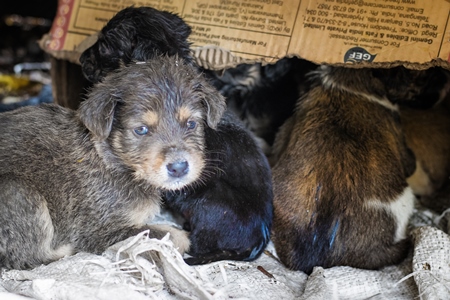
(141,130)
(191,124)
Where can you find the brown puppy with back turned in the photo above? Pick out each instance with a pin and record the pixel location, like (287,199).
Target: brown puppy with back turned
(341,196)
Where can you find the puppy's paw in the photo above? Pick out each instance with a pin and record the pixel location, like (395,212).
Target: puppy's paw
(179,238)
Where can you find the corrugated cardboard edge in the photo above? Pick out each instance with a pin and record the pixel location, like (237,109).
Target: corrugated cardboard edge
(216,58)
(384,65)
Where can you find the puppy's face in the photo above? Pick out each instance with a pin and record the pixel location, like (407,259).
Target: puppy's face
(153,116)
(162,143)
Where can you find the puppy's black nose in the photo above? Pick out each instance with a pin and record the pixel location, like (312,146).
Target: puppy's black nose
(177,169)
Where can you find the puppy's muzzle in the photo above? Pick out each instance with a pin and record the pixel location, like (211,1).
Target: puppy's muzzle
(178,169)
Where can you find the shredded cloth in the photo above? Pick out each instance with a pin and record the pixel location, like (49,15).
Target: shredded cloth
(123,273)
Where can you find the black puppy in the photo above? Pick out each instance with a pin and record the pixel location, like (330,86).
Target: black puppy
(229,214)
(229,210)
(135,34)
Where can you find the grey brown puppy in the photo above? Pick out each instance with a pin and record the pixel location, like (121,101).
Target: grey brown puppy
(228,211)
(82,180)
(341,196)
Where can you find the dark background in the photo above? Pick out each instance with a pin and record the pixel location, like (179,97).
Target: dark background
(22,24)
(33,8)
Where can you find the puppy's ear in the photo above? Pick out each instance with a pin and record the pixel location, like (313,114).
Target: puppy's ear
(97,112)
(214,102)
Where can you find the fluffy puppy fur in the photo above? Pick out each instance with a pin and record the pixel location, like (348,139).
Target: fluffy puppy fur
(229,210)
(420,89)
(423,96)
(135,34)
(428,135)
(82,180)
(263,97)
(229,214)
(340,190)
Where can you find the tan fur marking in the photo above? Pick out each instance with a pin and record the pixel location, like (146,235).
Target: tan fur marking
(151,118)
(142,213)
(47,252)
(420,181)
(184,113)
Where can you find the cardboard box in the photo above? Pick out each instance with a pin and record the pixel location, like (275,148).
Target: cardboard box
(226,32)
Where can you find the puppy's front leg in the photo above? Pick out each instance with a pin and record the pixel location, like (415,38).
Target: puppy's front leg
(178,237)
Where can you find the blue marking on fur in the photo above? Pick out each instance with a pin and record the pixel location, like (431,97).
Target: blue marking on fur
(255,252)
(311,220)
(333,233)
(317,197)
